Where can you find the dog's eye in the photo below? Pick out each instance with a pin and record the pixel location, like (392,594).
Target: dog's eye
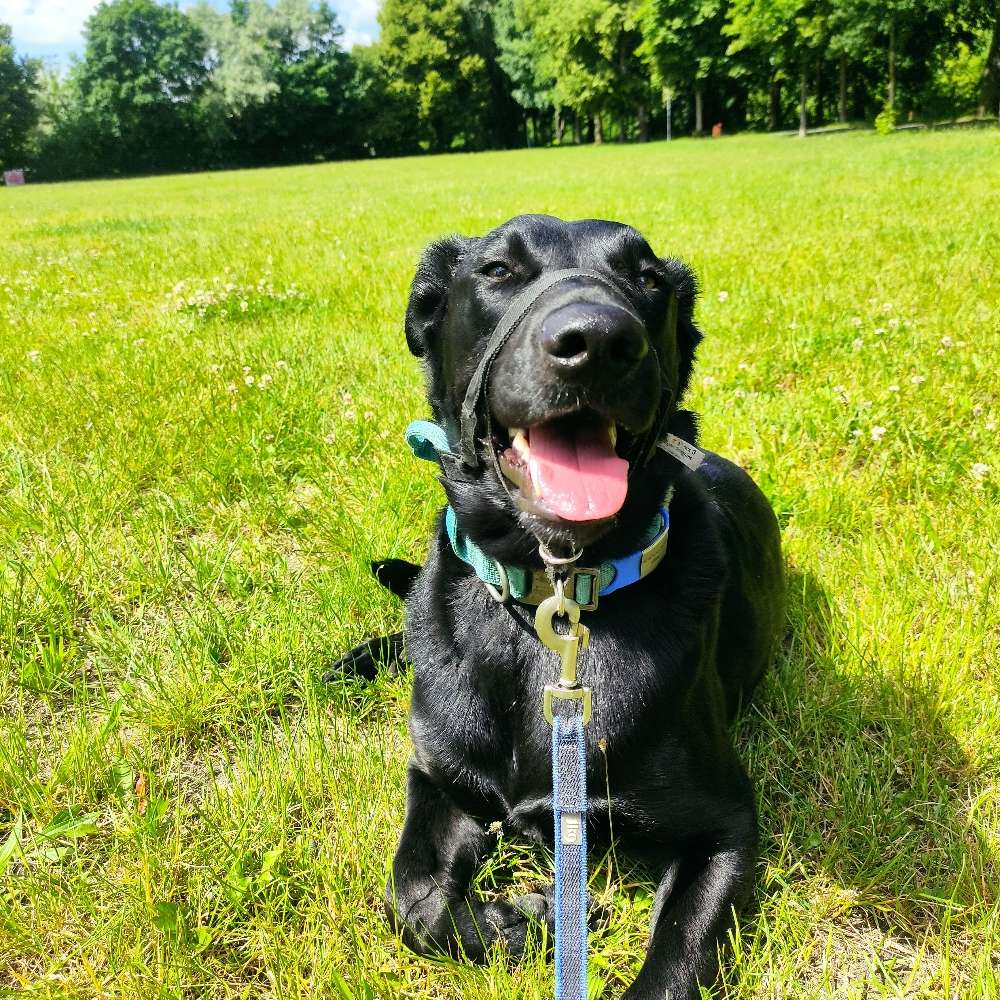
(649,279)
(496,270)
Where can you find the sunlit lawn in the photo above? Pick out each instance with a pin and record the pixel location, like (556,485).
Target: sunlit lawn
(203,385)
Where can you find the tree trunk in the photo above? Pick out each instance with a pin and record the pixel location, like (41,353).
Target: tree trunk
(892,63)
(576,128)
(820,103)
(698,123)
(803,94)
(774,107)
(622,127)
(598,130)
(989,89)
(842,96)
(558,125)
(643,115)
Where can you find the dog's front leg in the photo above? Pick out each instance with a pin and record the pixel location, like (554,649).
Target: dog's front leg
(427,897)
(691,916)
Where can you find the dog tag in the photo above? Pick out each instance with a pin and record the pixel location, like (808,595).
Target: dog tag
(572,828)
(685,452)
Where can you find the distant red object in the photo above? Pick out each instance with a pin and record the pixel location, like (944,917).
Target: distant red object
(12,178)
(716,130)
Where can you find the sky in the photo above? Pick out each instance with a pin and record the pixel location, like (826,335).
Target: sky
(53,29)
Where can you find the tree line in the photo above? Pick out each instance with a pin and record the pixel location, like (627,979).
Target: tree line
(161,89)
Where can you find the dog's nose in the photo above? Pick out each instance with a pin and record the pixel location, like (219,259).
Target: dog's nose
(582,336)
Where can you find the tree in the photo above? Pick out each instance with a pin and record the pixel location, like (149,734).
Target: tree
(18,104)
(520,57)
(143,71)
(280,82)
(386,120)
(792,33)
(441,58)
(684,47)
(589,48)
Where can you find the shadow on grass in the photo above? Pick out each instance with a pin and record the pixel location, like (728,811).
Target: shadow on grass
(859,779)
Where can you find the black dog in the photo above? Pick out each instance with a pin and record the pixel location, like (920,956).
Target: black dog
(594,369)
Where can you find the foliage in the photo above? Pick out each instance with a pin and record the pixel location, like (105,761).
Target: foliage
(190,494)
(440,57)
(18,105)
(885,120)
(280,90)
(144,69)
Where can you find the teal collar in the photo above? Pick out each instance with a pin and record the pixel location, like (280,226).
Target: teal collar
(429,441)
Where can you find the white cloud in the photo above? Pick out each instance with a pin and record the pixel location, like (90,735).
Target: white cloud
(358,20)
(47,24)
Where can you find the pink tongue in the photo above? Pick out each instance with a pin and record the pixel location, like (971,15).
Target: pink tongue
(577,476)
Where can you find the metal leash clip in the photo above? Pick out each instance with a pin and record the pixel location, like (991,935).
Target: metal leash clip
(567,646)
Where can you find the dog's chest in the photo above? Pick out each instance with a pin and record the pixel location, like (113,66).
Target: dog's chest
(477,715)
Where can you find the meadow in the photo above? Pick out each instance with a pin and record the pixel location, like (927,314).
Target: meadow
(203,388)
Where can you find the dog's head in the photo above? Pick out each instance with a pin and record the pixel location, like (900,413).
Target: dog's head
(595,365)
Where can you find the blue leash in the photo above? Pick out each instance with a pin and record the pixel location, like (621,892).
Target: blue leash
(569,805)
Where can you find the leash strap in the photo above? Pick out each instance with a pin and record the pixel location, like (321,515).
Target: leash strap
(569,806)
(513,315)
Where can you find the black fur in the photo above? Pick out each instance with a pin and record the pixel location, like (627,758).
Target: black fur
(670,659)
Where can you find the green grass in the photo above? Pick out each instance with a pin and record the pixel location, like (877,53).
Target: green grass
(203,386)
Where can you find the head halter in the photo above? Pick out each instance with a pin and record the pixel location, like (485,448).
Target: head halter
(502,332)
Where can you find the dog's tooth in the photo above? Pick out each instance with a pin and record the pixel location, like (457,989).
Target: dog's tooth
(519,441)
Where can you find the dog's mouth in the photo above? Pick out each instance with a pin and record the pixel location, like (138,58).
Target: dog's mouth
(569,468)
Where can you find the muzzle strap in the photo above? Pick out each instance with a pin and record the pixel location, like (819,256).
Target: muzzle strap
(509,322)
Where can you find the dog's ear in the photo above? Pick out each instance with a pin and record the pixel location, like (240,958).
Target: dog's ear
(429,291)
(685,286)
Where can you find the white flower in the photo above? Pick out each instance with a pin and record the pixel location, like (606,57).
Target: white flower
(947,342)
(723,296)
(856,433)
(918,379)
(743,366)
(893,388)
(330,438)
(857,343)
(264,381)
(34,355)
(878,433)
(283,365)
(887,307)
(244,305)
(739,393)
(231,387)
(839,389)
(979,471)
(977,410)
(248,379)
(708,380)
(879,331)
(856,320)
(894,322)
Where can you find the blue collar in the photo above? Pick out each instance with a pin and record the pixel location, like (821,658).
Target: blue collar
(429,441)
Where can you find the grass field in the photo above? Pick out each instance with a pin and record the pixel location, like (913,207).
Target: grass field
(203,385)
